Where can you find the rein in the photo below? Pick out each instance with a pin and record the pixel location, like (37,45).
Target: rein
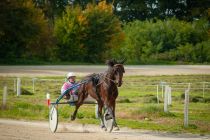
(105,81)
(109,79)
(105,77)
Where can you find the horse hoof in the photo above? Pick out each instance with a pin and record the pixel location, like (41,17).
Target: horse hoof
(72,118)
(116,128)
(103,128)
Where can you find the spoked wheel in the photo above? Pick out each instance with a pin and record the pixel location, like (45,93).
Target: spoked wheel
(53,118)
(108,120)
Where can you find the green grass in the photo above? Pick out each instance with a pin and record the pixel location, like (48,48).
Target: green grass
(136,105)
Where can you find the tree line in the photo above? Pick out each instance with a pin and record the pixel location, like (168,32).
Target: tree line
(144,32)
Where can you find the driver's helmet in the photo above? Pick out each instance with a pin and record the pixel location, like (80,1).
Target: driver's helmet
(70,74)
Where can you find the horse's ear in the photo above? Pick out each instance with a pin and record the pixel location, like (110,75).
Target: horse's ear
(122,61)
(111,62)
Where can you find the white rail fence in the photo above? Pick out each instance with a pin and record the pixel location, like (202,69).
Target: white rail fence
(204,87)
(34,84)
(163,88)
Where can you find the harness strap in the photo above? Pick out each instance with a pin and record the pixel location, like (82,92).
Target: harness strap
(96,82)
(109,79)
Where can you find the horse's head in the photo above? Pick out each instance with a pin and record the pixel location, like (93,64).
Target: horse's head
(118,72)
(117,69)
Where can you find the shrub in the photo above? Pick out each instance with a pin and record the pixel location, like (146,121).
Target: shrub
(197,99)
(207,100)
(124,101)
(168,40)
(167,114)
(150,99)
(25,92)
(182,96)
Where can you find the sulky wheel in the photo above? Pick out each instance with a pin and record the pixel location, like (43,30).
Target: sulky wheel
(53,118)
(108,120)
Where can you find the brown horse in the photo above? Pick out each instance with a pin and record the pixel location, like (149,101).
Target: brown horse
(103,88)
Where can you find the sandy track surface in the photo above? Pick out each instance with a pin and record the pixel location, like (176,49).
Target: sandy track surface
(25,130)
(61,70)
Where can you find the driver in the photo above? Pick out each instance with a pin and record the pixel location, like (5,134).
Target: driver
(71,81)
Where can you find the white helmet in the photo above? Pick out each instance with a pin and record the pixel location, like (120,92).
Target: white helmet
(70,74)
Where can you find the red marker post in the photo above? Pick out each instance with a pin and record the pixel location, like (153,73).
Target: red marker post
(48,99)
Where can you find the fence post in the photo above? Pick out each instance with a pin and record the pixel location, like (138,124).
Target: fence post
(18,86)
(162,85)
(203,89)
(4,99)
(33,81)
(169,95)
(166,99)
(186,105)
(157,94)
(48,99)
(15,85)
(162,91)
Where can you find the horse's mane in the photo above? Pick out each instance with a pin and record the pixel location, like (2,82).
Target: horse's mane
(94,77)
(113,62)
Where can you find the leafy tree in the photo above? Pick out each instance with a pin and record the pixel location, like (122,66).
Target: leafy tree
(87,35)
(24,32)
(197,9)
(70,32)
(52,8)
(202,52)
(170,40)
(129,10)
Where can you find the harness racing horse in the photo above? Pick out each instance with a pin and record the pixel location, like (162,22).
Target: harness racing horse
(103,88)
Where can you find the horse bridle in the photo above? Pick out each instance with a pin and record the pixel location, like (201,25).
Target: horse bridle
(108,78)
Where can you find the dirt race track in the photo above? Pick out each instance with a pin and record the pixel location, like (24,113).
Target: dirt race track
(24,130)
(61,70)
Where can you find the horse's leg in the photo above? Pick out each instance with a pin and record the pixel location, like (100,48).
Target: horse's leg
(73,117)
(100,108)
(94,93)
(80,101)
(116,128)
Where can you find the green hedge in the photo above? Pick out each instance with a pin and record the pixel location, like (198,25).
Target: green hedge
(170,40)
